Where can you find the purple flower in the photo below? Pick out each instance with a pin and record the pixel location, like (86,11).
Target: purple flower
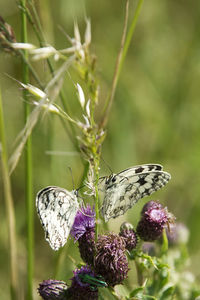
(52,290)
(153,219)
(111,261)
(80,289)
(83,230)
(129,235)
(149,205)
(84,221)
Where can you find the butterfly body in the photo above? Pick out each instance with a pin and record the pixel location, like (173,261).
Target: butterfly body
(57,209)
(121,191)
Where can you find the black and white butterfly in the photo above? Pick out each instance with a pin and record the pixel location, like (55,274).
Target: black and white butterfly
(121,191)
(57,209)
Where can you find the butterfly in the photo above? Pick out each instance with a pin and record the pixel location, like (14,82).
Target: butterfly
(121,191)
(57,209)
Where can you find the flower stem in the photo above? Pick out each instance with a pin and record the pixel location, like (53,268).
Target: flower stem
(28,166)
(96,205)
(121,57)
(9,209)
(110,97)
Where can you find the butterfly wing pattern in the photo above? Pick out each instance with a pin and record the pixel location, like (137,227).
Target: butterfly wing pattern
(57,209)
(121,191)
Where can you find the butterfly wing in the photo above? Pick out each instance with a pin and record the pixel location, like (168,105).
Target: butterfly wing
(123,190)
(57,209)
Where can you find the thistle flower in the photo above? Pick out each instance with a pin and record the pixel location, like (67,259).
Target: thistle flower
(111,261)
(83,230)
(153,219)
(149,205)
(129,235)
(52,290)
(80,289)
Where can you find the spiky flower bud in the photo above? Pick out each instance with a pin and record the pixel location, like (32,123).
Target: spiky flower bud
(111,261)
(129,235)
(52,290)
(80,289)
(83,230)
(153,219)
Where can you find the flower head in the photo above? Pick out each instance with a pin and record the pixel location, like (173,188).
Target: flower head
(80,288)
(52,290)
(111,261)
(149,205)
(153,219)
(129,235)
(84,221)
(83,230)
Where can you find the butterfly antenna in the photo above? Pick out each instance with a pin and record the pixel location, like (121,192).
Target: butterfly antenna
(107,165)
(70,169)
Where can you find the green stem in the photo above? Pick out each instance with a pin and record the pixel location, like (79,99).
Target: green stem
(130,33)
(96,206)
(121,57)
(111,95)
(34,74)
(28,167)
(140,277)
(9,209)
(164,247)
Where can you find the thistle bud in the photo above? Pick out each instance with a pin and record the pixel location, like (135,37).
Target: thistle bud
(52,290)
(129,235)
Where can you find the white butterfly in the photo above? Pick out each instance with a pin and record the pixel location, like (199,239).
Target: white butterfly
(121,191)
(57,209)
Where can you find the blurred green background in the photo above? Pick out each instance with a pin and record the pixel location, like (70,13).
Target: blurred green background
(155,116)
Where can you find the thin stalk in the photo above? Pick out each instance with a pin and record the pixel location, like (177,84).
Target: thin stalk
(110,97)
(34,74)
(97,207)
(9,209)
(140,277)
(28,167)
(121,57)
(130,33)
(164,247)
(39,33)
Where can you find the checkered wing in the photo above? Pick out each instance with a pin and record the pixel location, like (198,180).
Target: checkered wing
(121,191)
(57,209)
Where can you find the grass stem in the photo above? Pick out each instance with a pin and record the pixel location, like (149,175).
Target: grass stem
(9,209)
(28,166)
(125,43)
